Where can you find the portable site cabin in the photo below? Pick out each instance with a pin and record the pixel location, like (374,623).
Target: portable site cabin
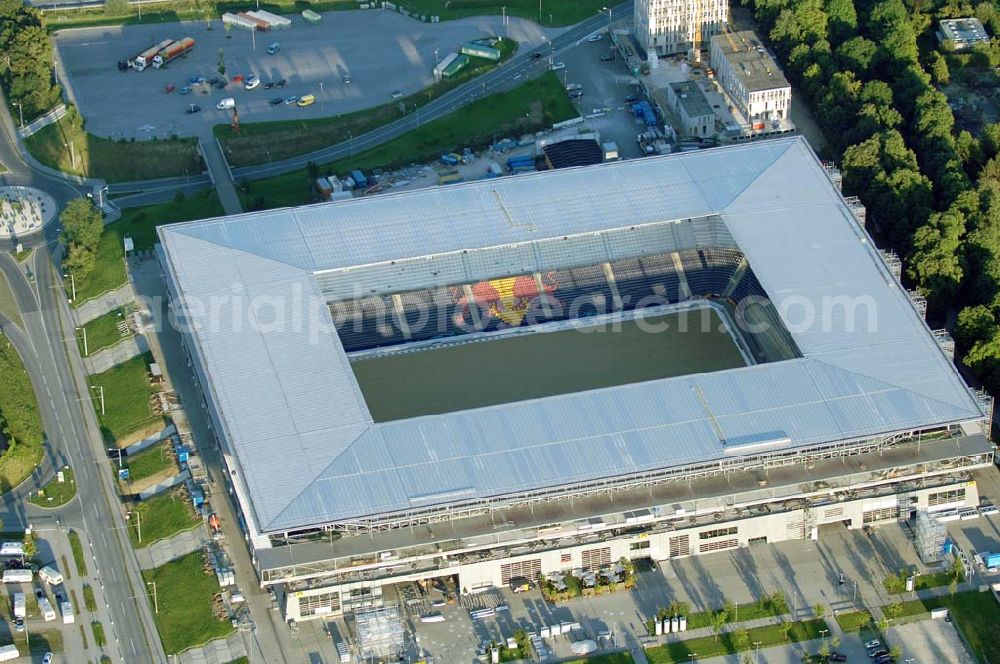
(477,50)
(238,21)
(279,22)
(311,17)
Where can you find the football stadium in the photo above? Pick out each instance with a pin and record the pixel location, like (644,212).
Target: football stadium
(656,358)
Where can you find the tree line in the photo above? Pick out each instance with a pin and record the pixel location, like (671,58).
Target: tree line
(26,61)
(932,192)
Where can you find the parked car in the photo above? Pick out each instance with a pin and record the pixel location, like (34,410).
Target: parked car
(595,38)
(347,79)
(556,66)
(47,658)
(574,94)
(396,94)
(873,645)
(280,83)
(607,58)
(18,624)
(273,48)
(536,55)
(269,85)
(838,657)
(291,99)
(252,83)
(277,100)
(197,80)
(306,100)
(186,90)
(192,109)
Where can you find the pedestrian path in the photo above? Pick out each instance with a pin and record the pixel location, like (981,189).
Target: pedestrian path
(219,651)
(124,350)
(164,550)
(103,303)
(221,176)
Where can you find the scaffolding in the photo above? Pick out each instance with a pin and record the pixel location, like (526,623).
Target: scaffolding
(919,302)
(930,538)
(893,263)
(946,342)
(380,634)
(833,173)
(857,209)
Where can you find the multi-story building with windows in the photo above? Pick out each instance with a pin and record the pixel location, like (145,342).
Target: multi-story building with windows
(665,27)
(654,358)
(751,78)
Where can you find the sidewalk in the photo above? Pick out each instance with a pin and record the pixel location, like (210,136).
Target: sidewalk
(219,651)
(164,550)
(221,176)
(102,304)
(124,350)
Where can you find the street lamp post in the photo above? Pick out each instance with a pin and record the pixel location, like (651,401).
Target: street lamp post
(351,135)
(20,110)
(72,282)
(156,601)
(99,388)
(72,152)
(119,451)
(757,645)
(84,330)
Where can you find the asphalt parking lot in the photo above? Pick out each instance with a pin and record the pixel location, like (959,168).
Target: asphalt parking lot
(381,50)
(930,641)
(605,87)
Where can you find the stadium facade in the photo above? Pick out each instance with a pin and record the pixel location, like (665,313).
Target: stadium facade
(840,408)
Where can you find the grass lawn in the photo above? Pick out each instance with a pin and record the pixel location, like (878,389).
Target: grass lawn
(102,332)
(554,12)
(78,558)
(42,641)
(978,614)
(771,635)
(287,138)
(185,593)
(138,223)
(624,657)
(159,517)
(895,584)
(98,630)
(853,621)
(8,305)
(150,462)
(111,160)
(19,413)
(531,106)
(56,493)
(126,398)
(89,602)
(178,10)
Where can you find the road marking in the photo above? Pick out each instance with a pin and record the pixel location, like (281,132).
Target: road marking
(134,651)
(97,515)
(114,576)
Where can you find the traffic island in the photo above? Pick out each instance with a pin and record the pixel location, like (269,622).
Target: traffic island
(60,490)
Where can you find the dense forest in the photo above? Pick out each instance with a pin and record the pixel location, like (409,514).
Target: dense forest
(872,73)
(26,61)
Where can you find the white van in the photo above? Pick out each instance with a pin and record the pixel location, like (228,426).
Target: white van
(20,610)
(46,608)
(66,608)
(226,104)
(50,575)
(8,653)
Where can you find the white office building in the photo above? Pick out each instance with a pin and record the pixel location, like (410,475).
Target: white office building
(749,75)
(665,27)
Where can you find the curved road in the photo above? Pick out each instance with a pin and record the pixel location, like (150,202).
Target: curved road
(59,380)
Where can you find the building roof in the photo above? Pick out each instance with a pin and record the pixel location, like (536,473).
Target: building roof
(963,30)
(692,99)
(750,61)
(307,447)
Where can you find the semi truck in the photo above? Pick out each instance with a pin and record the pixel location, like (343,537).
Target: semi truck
(145,58)
(172,51)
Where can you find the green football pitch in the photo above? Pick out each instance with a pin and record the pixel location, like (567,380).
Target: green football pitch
(528,366)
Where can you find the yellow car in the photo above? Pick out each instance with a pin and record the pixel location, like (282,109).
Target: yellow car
(307,100)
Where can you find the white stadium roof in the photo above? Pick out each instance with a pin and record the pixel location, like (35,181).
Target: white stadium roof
(306,444)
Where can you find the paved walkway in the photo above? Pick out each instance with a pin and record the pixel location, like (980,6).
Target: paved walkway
(164,550)
(218,651)
(218,170)
(103,303)
(124,350)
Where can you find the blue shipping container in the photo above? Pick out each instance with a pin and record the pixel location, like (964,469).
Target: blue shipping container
(992,560)
(359,178)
